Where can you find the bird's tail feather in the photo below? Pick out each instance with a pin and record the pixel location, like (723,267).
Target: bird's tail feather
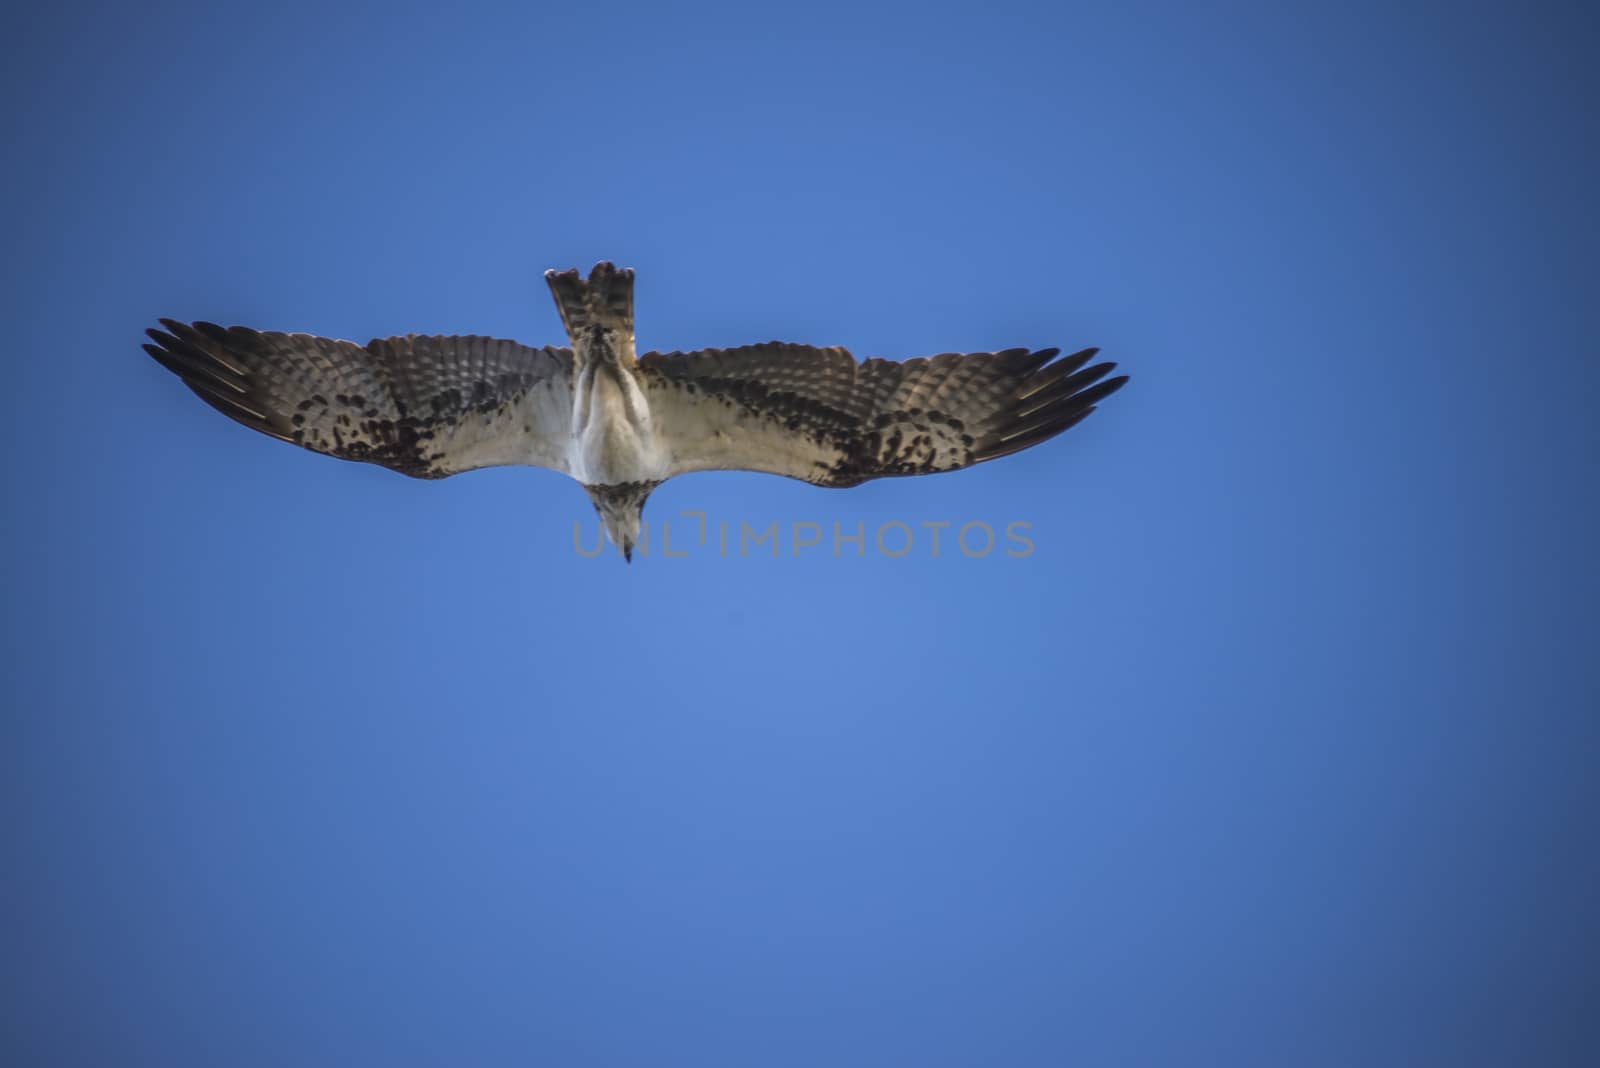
(604,299)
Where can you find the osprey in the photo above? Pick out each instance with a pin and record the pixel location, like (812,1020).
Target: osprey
(622,424)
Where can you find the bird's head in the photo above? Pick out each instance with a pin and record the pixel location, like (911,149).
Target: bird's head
(621,509)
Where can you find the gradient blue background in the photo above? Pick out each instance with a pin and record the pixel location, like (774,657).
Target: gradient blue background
(1280,748)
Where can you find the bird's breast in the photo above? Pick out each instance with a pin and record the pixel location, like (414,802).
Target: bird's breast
(614,436)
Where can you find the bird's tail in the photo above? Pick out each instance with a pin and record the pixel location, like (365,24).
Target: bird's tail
(605,299)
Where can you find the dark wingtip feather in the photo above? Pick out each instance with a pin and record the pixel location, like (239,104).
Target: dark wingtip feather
(1049,402)
(165,359)
(1035,436)
(1027,363)
(1071,385)
(187,353)
(1104,389)
(1069,364)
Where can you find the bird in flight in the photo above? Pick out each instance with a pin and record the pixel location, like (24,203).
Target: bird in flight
(622,424)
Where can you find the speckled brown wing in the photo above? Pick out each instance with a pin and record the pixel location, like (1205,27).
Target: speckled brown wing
(818,415)
(424,406)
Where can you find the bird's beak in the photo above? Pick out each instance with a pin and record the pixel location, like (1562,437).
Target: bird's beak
(627,551)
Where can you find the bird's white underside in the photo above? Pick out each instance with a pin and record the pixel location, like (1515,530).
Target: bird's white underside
(614,438)
(604,429)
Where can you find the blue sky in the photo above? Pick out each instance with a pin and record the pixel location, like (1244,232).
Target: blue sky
(1279,747)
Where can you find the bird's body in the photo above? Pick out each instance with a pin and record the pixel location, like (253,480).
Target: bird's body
(614,437)
(621,424)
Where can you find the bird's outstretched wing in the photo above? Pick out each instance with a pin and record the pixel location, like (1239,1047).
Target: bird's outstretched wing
(425,406)
(818,415)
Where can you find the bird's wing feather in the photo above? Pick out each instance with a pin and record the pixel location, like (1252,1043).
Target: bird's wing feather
(816,414)
(424,406)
